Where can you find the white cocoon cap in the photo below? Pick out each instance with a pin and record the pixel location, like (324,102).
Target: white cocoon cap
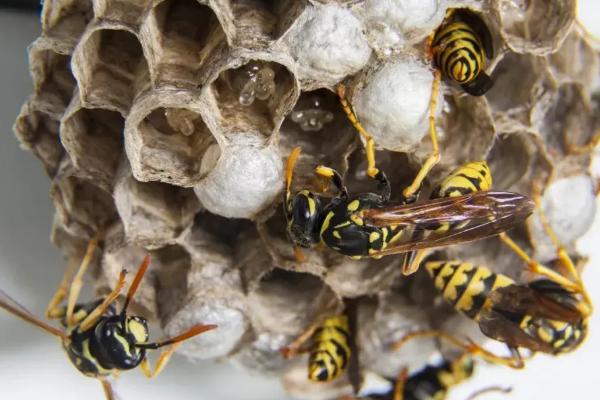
(394,105)
(245,179)
(328,43)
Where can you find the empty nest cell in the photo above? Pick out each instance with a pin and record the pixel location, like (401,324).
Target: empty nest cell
(154,214)
(110,68)
(38,132)
(94,140)
(259,22)
(66,19)
(128,12)
(83,208)
(287,302)
(53,80)
(173,143)
(250,97)
(178,36)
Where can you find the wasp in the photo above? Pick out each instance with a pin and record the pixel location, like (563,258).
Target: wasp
(433,382)
(99,340)
(460,47)
(333,348)
(549,314)
(367,225)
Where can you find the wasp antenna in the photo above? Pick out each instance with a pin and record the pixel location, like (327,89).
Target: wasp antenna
(196,330)
(136,282)
(291,164)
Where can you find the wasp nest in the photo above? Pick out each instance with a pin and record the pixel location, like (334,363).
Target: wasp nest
(169,121)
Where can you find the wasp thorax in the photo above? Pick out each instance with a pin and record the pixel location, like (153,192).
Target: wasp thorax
(117,340)
(302,213)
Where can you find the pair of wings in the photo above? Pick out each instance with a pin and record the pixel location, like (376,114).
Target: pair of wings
(12,306)
(524,300)
(473,216)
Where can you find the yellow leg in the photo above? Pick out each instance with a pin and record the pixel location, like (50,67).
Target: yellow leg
(434,157)
(294,348)
(370,144)
(583,149)
(412,265)
(489,389)
(400,384)
(77,283)
(53,310)
(163,359)
(470,347)
(109,393)
(92,318)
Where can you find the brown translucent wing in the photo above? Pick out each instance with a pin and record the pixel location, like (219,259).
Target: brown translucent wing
(13,307)
(496,326)
(475,216)
(522,299)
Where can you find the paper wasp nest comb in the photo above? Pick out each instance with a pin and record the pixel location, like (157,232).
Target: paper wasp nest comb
(170,121)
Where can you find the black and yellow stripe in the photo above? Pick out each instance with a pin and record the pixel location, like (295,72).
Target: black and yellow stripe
(465,286)
(434,381)
(458,52)
(330,353)
(468,178)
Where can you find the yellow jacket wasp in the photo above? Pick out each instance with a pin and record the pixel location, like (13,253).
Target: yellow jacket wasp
(100,341)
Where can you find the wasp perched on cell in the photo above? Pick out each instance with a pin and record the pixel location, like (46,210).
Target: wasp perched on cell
(460,47)
(548,315)
(433,382)
(368,225)
(333,349)
(100,341)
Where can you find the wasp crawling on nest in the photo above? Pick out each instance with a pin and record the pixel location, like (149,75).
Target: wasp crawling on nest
(100,341)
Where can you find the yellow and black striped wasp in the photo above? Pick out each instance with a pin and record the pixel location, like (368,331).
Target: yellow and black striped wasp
(333,349)
(460,47)
(548,315)
(100,341)
(367,225)
(433,382)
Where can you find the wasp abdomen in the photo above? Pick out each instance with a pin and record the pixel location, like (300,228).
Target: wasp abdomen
(331,349)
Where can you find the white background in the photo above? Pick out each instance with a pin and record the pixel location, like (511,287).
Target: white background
(32,365)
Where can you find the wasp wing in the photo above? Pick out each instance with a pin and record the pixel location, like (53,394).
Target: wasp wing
(530,300)
(495,325)
(13,307)
(473,216)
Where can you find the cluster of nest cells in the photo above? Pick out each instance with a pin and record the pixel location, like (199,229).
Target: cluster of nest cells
(169,122)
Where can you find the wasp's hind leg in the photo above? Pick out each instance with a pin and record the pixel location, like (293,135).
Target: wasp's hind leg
(513,361)
(411,192)
(370,144)
(400,384)
(92,318)
(296,347)
(333,176)
(54,309)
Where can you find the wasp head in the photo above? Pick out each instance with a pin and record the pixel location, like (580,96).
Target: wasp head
(302,212)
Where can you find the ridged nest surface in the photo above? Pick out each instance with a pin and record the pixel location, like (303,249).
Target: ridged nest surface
(169,121)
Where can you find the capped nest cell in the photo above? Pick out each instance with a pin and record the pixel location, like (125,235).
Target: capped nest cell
(167,124)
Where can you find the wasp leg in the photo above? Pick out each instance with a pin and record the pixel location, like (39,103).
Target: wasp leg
(370,144)
(91,319)
(583,149)
(77,283)
(514,361)
(109,393)
(295,348)
(289,170)
(53,310)
(400,384)
(411,191)
(333,176)
(489,389)
(412,262)
(163,359)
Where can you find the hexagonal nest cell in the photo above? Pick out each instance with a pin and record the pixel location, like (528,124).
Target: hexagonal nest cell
(156,120)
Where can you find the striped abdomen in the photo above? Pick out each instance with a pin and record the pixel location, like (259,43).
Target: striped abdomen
(434,381)
(468,178)
(458,52)
(464,285)
(331,349)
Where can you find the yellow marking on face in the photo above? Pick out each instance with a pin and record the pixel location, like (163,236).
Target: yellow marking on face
(374,236)
(138,330)
(326,222)
(357,220)
(353,205)
(88,356)
(78,361)
(336,234)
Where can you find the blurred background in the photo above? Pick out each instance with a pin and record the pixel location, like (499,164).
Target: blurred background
(33,365)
